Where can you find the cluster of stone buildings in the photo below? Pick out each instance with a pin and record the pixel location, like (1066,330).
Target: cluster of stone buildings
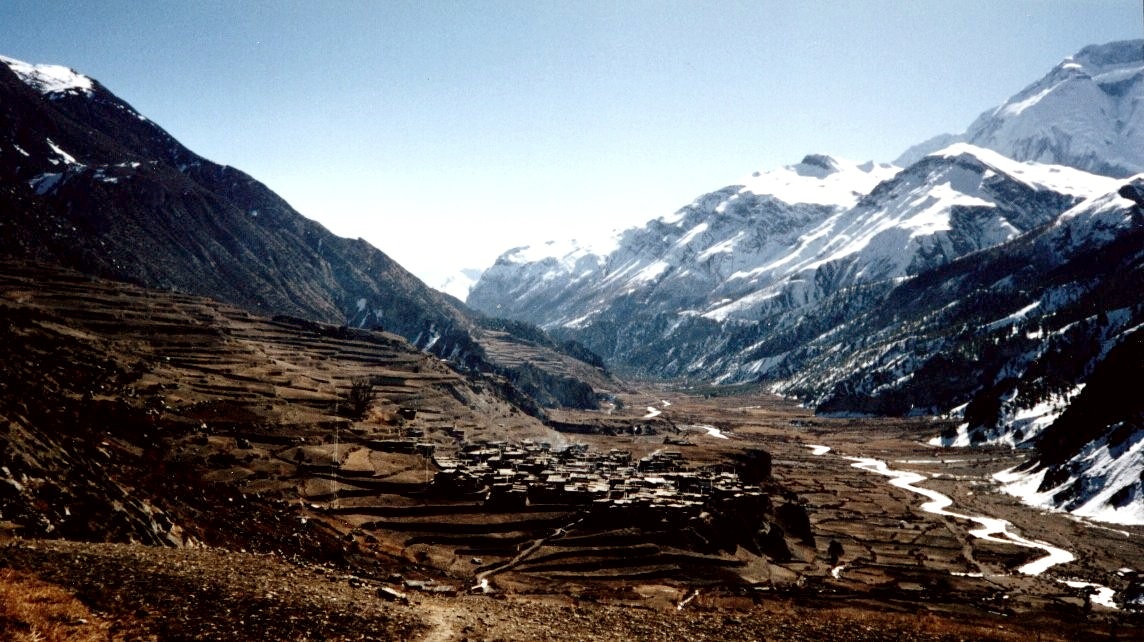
(531,473)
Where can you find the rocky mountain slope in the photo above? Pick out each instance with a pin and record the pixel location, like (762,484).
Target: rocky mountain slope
(140,415)
(88,183)
(1085,113)
(967,283)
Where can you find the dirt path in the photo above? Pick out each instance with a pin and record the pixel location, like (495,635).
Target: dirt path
(442,622)
(482,577)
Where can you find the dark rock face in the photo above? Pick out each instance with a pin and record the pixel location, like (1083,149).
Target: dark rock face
(107,192)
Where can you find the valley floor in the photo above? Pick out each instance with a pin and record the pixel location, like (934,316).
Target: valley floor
(901,573)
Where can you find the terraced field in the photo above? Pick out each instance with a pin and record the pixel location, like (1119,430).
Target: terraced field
(226,402)
(139,416)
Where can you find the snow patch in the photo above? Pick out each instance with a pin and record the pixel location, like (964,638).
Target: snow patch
(712,431)
(49,79)
(1101,595)
(45,183)
(64,156)
(820,180)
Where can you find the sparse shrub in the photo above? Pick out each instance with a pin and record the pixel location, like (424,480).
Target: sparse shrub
(834,552)
(358,398)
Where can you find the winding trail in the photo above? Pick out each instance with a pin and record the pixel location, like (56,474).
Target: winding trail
(482,578)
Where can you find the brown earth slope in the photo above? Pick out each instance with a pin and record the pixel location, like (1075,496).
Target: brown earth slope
(249,498)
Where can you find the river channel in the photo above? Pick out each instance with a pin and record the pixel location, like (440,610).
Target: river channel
(990,528)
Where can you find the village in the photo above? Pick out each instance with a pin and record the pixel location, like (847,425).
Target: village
(512,475)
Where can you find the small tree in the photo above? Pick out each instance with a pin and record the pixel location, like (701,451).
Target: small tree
(834,552)
(359,397)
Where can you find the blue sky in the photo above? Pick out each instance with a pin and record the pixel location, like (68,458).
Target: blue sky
(447,132)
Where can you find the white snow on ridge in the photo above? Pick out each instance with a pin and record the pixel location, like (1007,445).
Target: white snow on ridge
(820,180)
(1015,108)
(692,233)
(49,79)
(567,252)
(64,156)
(1057,178)
(1015,317)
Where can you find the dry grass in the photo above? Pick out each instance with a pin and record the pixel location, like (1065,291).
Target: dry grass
(933,626)
(33,610)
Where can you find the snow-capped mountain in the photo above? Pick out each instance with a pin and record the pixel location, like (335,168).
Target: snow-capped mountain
(1088,113)
(965,283)
(676,261)
(88,183)
(745,263)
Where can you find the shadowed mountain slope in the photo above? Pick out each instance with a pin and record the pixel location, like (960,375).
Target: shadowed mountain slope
(88,183)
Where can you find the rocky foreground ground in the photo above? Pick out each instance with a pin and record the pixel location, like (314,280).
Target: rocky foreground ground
(134,592)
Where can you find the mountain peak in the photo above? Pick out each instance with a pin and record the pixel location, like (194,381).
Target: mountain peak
(50,79)
(1081,114)
(1098,58)
(817,165)
(820,180)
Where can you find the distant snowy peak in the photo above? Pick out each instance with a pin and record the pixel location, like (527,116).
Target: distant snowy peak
(50,79)
(566,253)
(1087,113)
(820,180)
(459,284)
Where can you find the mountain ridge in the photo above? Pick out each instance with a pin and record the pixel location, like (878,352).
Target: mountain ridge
(1084,113)
(92,185)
